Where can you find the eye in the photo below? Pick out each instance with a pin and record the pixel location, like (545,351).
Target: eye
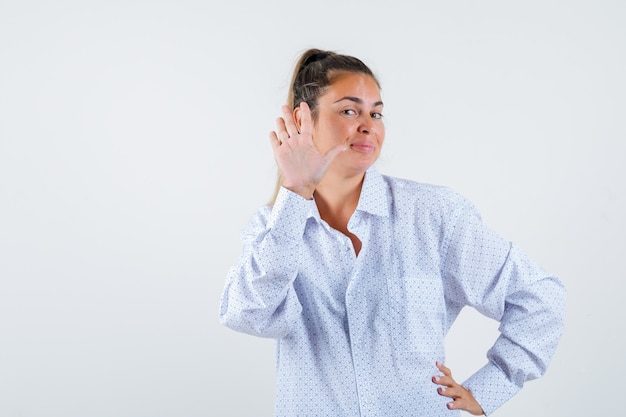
(349,112)
(377,115)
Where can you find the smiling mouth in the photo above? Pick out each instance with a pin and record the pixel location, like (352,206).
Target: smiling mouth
(362,147)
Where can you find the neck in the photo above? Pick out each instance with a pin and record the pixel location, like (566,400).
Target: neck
(336,200)
(337,197)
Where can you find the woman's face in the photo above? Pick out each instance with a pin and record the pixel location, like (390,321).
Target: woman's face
(350,112)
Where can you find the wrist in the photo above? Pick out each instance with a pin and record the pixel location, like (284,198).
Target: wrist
(303,191)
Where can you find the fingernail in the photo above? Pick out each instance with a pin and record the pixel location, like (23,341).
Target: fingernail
(436,378)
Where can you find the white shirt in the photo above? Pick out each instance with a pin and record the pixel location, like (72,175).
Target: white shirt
(359,336)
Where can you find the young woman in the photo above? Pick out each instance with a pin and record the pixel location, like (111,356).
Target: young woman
(359,276)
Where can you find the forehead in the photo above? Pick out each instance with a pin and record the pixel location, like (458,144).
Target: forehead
(351,84)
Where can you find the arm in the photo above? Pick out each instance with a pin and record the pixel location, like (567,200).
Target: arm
(495,277)
(259,297)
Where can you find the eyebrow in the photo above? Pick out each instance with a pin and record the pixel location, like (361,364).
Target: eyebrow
(358,100)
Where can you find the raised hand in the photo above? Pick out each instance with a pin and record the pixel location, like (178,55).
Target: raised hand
(300,164)
(461,396)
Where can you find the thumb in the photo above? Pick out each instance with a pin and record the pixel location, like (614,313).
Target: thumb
(334,152)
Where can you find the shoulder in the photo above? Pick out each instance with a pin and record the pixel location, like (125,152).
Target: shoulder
(409,193)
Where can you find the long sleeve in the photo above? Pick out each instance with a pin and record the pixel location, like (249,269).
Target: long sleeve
(259,297)
(359,335)
(499,280)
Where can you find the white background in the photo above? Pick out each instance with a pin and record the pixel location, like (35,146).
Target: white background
(133,151)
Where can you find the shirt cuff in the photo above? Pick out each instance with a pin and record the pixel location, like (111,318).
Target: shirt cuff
(289,214)
(491,388)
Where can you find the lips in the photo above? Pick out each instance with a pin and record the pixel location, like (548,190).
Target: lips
(363,147)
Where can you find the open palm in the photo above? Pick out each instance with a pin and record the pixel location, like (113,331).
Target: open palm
(300,164)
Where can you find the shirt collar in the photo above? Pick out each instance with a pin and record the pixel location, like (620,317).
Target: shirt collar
(373,199)
(374,196)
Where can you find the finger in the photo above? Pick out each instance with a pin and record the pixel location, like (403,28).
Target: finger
(444,380)
(453,392)
(444,370)
(281,130)
(334,152)
(457,401)
(290,124)
(462,400)
(274,141)
(455,405)
(458,404)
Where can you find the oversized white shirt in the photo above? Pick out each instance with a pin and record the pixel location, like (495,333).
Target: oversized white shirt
(359,335)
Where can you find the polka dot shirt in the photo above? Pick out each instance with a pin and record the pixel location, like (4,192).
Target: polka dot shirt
(359,335)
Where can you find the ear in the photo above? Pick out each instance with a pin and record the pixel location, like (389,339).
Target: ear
(297,117)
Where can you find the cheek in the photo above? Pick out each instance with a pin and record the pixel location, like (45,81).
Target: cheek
(381,135)
(324,137)
(331,132)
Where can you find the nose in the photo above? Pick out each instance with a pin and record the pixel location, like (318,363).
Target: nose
(366,124)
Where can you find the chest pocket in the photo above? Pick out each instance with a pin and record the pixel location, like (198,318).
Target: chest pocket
(416,311)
